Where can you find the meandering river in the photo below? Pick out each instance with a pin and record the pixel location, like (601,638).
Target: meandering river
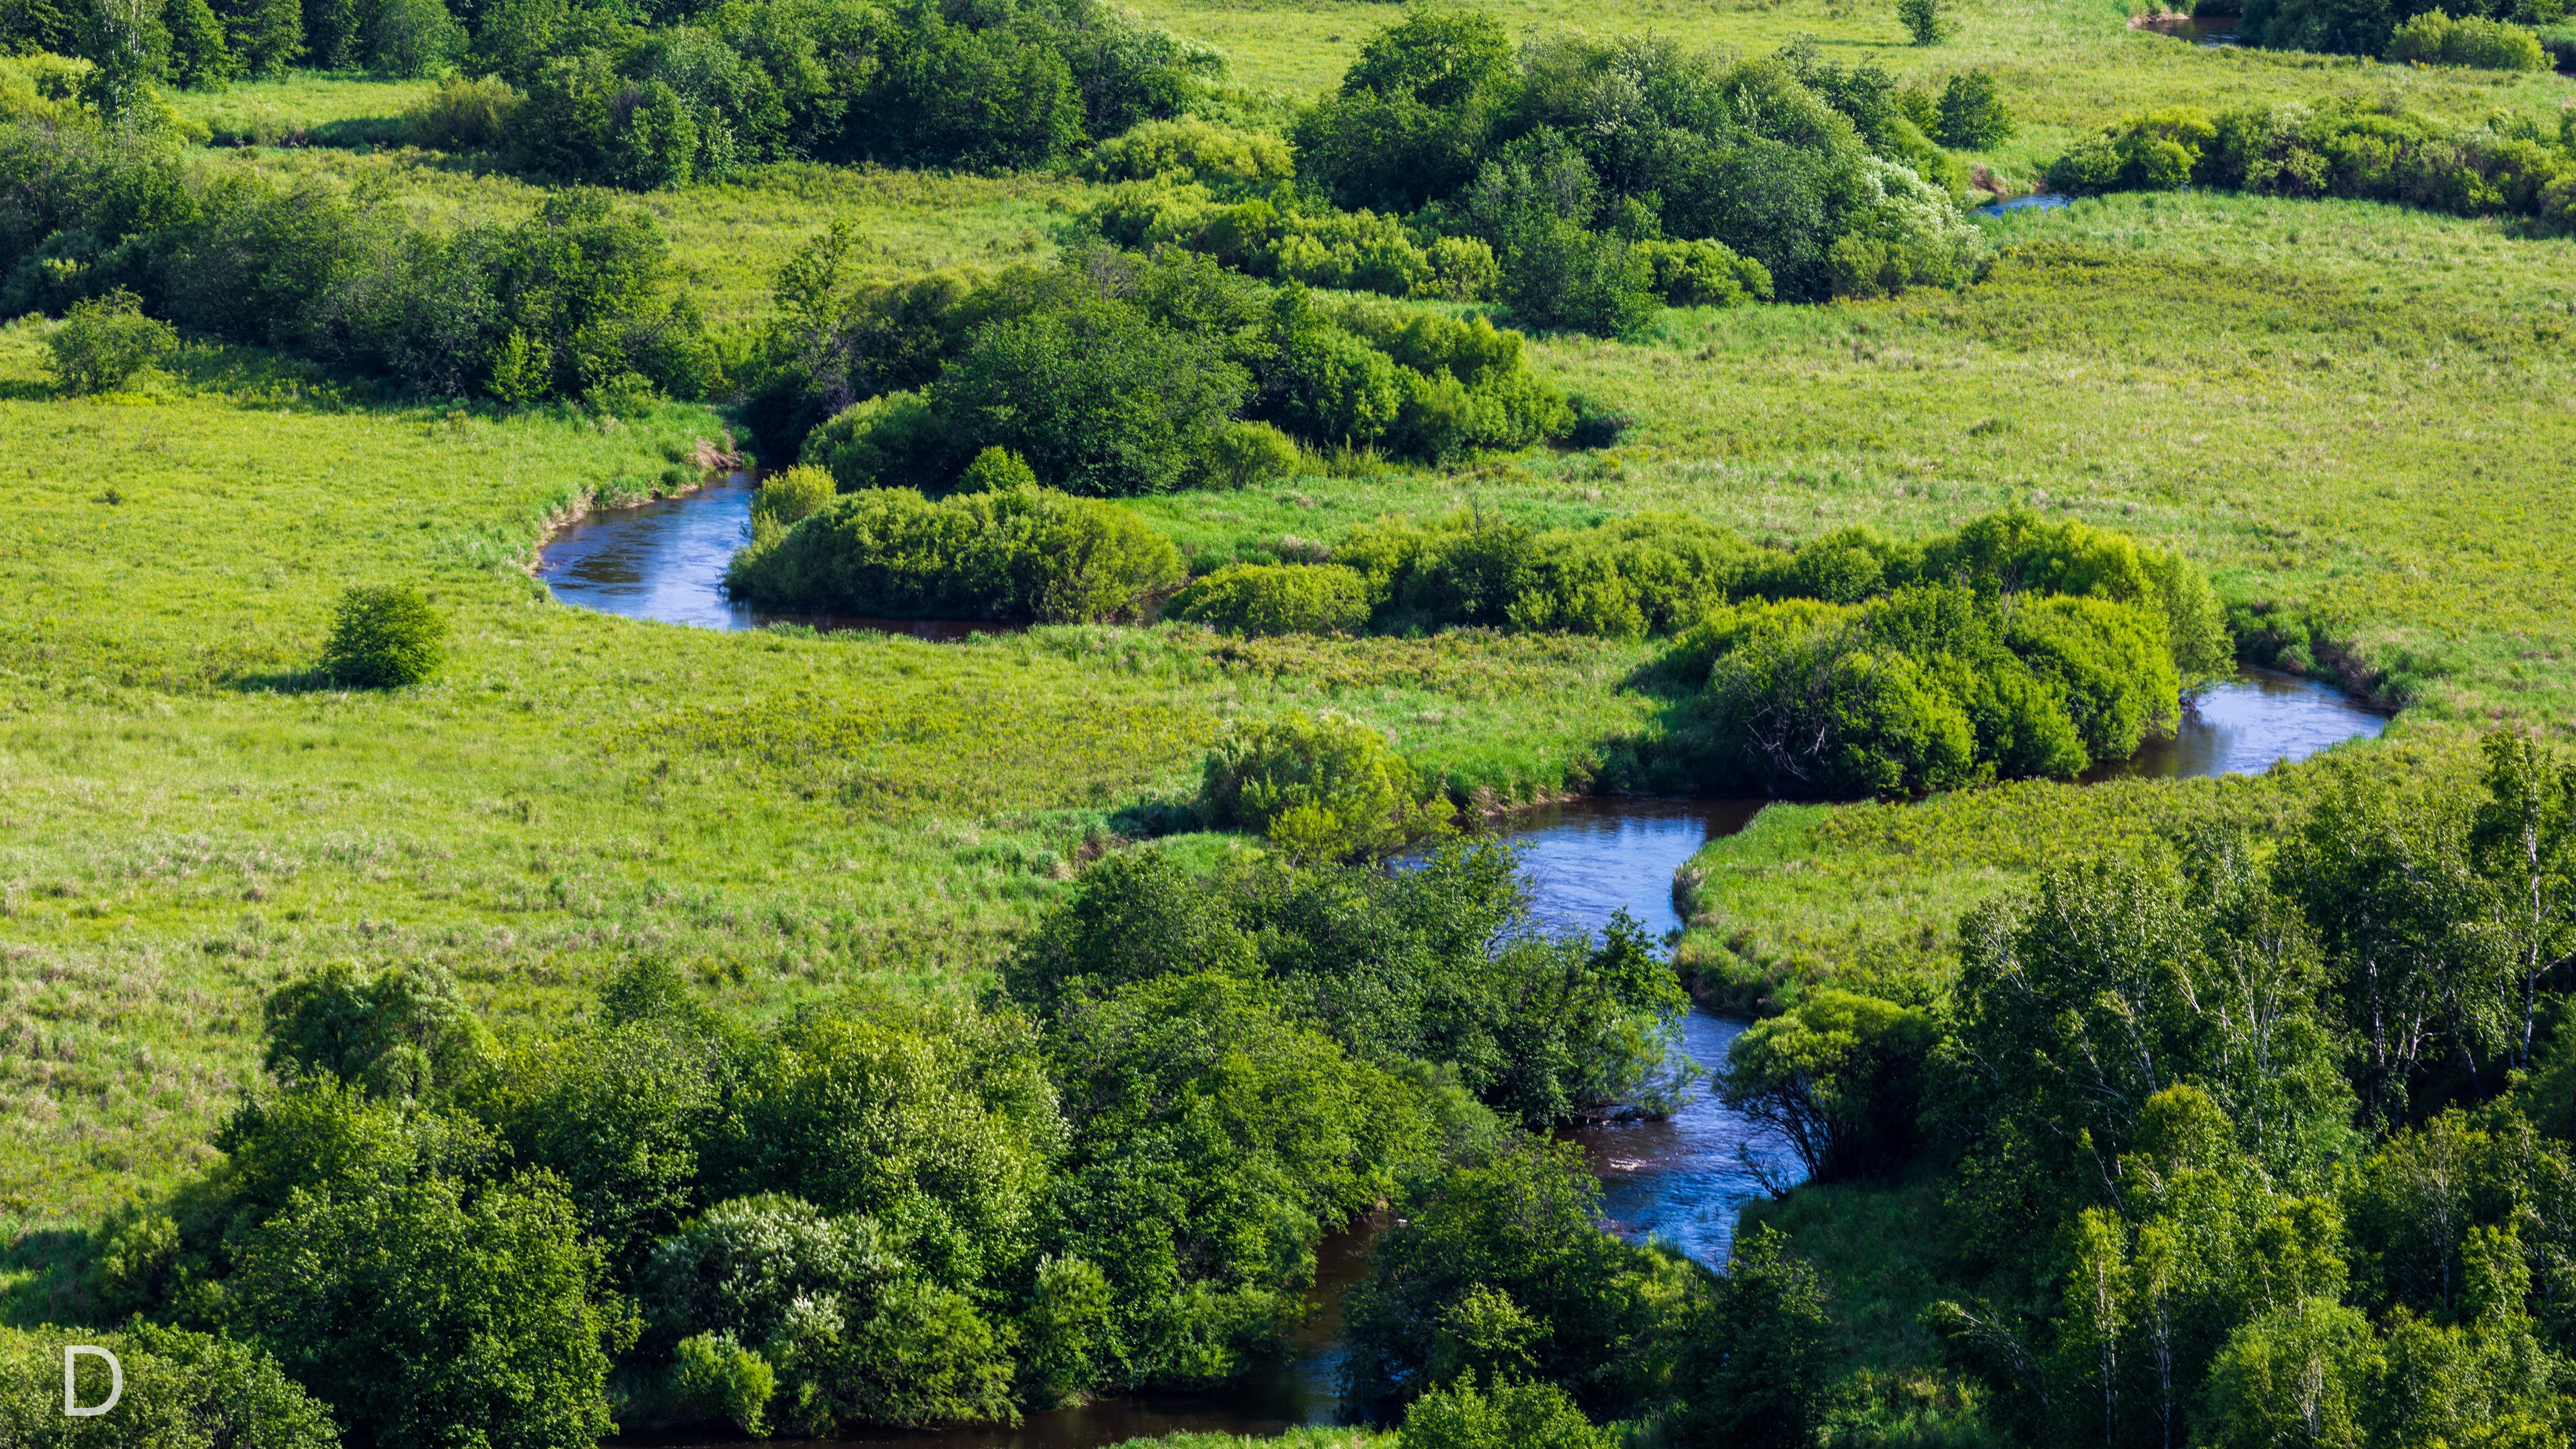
(1682,1180)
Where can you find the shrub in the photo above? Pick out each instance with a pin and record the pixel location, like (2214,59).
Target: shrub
(894,441)
(1516,1414)
(400,1032)
(103,341)
(1189,149)
(383,636)
(788,498)
(1972,114)
(1027,553)
(1245,455)
(1556,274)
(714,1376)
(1276,599)
(1704,274)
(996,470)
(1320,787)
(465,114)
(1923,21)
(1841,1077)
(2434,38)
(182,1391)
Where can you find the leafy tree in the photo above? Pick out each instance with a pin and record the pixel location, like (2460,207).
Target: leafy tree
(1972,115)
(1412,111)
(2523,839)
(424,1306)
(1923,21)
(1518,1230)
(1757,1360)
(719,1378)
(401,1032)
(2299,1375)
(1841,1076)
(383,636)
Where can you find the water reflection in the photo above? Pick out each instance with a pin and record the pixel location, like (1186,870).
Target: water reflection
(666,560)
(2242,726)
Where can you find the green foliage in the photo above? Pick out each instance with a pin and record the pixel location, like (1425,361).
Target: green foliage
(2434,38)
(1972,114)
(1027,553)
(714,1376)
(788,498)
(1190,149)
(1705,274)
(996,470)
(181,1391)
(1923,21)
(424,1305)
(1841,1077)
(383,636)
(103,341)
(1320,787)
(1247,455)
(1514,1412)
(1755,1361)
(401,1032)
(1276,599)
(1502,1268)
(465,114)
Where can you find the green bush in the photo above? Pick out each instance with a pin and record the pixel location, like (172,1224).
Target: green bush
(788,498)
(1515,1414)
(1276,599)
(2434,38)
(102,341)
(182,1391)
(1246,455)
(1972,114)
(383,636)
(1320,787)
(465,114)
(1840,1077)
(720,1379)
(1705,274)
(401,1032)
(1189,149)
(1923,21)
(996,470)
(1029,553)
(896,440)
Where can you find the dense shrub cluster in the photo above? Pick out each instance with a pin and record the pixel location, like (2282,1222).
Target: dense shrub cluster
(1111,1176)
(1320,787)
(2374,152)
(1562,154)
(1022,553)
(2496,36)
(1118,373)
(572,302)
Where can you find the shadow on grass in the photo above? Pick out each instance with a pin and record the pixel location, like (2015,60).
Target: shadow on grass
(40,1273)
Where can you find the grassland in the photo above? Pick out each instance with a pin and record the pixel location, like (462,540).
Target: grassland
(2346,408)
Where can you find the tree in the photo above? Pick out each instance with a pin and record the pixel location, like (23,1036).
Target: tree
(129,48)
(402,1032)
(2524,842)
(1923,20)
(1513,1414)
(181,1391)
(1757,1363)
(428,1305)
(1840,1076)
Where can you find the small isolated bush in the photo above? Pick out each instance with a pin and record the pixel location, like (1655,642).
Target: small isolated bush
(1277,599)
(1515,1414)
(464,115)
(717,1378)
(102,341)
(1246,455)
(1972,114)
(1923,20)
(1319,787)
(792,496)
(1029,553)
(2434,38)
(383,636)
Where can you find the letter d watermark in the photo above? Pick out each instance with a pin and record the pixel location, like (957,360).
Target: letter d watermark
(71,1381)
